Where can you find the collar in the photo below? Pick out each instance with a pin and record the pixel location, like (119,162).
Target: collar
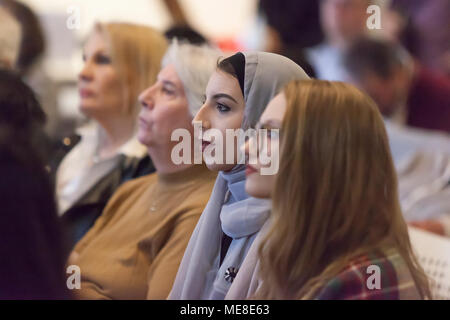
(90,135)
(196,171)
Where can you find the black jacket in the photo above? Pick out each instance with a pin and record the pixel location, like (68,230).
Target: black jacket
(79,218)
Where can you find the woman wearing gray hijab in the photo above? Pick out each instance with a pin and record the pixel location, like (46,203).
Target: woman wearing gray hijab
(236,95)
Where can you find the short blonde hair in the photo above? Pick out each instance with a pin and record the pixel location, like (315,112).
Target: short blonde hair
(136,53)
(10,37)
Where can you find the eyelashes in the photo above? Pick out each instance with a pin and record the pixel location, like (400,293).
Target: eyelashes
(222,108)
(99,59)
(167,91)
(102,59)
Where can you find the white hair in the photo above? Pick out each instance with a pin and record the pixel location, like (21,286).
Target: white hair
(194,65)
(10,37)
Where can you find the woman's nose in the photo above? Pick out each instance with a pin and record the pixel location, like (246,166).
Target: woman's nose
(146,98)
(86,73)
(201,117)
(250,150)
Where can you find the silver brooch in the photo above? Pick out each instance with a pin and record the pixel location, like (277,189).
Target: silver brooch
(230,274)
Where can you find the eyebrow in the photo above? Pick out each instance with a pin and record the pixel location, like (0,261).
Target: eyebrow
(169,83)
(96,53)
(224,95)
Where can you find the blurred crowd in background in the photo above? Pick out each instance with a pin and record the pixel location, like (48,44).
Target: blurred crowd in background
(404,66)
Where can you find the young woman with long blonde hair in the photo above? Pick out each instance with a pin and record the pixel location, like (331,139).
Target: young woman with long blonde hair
(336,229)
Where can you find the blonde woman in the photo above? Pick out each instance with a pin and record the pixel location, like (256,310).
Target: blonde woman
(336,230)
(134,249)
(120,61)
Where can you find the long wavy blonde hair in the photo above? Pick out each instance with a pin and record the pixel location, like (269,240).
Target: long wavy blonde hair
(335,195)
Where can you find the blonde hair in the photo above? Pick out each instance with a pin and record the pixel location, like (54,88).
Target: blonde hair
(10,38)
(136,54)
(335,195)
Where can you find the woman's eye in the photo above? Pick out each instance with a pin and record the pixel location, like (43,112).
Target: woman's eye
(223,108)
(168,91)
(102,59)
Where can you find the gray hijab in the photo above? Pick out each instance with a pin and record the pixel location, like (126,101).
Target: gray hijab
(265,75)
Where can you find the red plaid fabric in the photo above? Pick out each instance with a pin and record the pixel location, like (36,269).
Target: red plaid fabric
(358,281)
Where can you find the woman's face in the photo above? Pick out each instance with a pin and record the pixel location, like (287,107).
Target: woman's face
(165,108)
(256,184)
(223,109)
(98,82)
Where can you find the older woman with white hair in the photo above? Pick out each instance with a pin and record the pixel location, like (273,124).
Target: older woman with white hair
(10,37)
(135,247)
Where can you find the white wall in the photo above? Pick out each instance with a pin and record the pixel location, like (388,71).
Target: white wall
(215,18)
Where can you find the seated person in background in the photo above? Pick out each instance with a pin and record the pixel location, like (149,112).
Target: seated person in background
(342,22)
(335,208)
(32,248)
(422,162)
(427,33)
(185,33)
(425,192)
(10,37)
(282,18)
(405,91)
(120,61)
(31,68)
(135,247)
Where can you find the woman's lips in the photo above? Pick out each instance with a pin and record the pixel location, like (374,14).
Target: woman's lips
(143,124)
(249,170)
(86,93)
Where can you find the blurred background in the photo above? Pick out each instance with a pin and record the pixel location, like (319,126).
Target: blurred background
(62,59)
(397,51)
(312,33)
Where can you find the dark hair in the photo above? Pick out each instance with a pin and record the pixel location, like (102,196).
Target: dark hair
(297,22)
(21,112)
(185,33)
(375,56)
(19,105)
(225,66)
(298,56)
(31,240)
(33,40)
(234,66)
